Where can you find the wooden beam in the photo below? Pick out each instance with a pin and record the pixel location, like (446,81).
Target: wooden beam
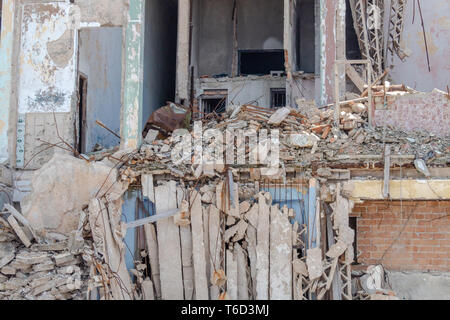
(355,77)
(215,247)
(198,247)
(280,254)
(262,246)
(152,248)
(169,238)
(242,268)
(232,277)
(18,230)
(387,167)
(186,254)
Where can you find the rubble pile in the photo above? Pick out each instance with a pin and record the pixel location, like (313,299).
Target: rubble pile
(307,135)
(43,271)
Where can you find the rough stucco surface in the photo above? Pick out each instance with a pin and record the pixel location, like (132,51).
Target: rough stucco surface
(61,188)
(414,71)
(422,111)
(420,286)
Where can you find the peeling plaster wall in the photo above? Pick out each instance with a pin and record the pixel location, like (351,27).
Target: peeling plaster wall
(47,59)
(414,71)
(47,68)
(100,59)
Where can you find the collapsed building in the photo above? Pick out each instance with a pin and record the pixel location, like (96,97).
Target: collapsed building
(341,93)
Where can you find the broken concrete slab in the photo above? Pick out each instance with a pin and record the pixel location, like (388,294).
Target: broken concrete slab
(62,187)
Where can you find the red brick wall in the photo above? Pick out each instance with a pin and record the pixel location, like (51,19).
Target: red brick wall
(412,235)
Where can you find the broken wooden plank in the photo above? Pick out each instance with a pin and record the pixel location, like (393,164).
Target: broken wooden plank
(147,187)
(198,247)
(20,218)
(147,290)
(242,276)
(387,168)
(206,244)
(336,283)
(262,246)
(18,230)
(232,276)
(280,254)
(215,247)
(152,249)
(355,77)
(151,219)
(102,219)
(250,238)
(169,240)
(186,253)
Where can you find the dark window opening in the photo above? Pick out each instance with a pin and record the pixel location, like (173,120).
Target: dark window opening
(352,45)
(260,62)
(82,101)
(277,98)
(353,222)
(217,105)
(305,36)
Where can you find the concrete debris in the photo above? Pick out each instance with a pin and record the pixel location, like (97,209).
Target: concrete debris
(422,167)
(66,185)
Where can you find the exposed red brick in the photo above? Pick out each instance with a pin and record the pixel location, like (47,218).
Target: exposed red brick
(424,242)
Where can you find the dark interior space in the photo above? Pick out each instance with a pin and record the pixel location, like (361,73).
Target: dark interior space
(353,51)
(260,62)
(305,36)
(277,98)
(217,105)
(160,54)
(82,95)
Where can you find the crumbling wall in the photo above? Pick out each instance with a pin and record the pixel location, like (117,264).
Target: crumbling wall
(404,235)
(421,111)
(44,79)
(414,70)
(100,57)
(242,90)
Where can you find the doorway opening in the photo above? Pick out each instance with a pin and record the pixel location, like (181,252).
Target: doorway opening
(82,94)
(100,62)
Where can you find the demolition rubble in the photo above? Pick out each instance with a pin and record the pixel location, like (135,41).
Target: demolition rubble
(219,231)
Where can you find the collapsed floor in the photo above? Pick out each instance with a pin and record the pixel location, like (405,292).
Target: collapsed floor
(217,231)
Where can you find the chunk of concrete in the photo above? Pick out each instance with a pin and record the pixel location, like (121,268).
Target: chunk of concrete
(62,187)
(304,140)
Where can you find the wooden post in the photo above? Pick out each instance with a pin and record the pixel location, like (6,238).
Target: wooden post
(387,167)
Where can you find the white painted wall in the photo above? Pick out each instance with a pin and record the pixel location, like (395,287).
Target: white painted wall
(244,90)
(100,59)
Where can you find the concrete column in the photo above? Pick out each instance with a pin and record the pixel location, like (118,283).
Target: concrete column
(327,47)
(340,44)
(182,82)
(131,120)
(6,49)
